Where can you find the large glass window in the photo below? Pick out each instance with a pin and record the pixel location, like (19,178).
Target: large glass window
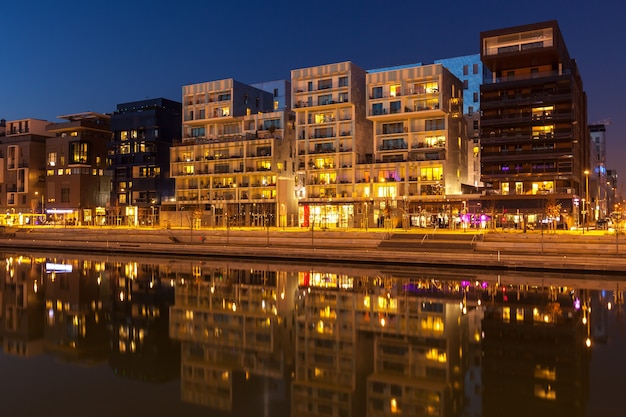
(325,84)
(438,141)
(52,159)
(390,128)
(11,156)
(435,124)
(426,88)
(79,152)
(543,132)
(377,92)
(543,112)
(431,174)
(324,100)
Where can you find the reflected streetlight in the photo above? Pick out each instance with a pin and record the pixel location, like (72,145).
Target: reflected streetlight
(585,217)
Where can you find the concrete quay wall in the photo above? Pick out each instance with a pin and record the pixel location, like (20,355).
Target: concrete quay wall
(575,254)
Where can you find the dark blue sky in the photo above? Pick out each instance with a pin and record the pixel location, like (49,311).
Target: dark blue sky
(72,56)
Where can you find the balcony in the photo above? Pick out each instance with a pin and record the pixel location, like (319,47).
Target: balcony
(393,147)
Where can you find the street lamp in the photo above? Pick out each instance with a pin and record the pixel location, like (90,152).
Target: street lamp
(586,219)
(43,208)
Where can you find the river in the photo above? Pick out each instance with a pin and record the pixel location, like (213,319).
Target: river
(99,335)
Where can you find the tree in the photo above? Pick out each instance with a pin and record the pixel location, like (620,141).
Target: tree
(552,211)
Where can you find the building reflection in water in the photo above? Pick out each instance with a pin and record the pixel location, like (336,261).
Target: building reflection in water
(312,341)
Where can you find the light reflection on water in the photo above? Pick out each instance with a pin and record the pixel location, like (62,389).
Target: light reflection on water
(182,337)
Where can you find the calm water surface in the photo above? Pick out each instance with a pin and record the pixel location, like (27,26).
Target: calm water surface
(102,336)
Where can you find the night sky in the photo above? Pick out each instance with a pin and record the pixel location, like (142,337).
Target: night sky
(67,57)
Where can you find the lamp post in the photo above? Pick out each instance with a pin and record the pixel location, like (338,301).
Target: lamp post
(43,208)
(585,218)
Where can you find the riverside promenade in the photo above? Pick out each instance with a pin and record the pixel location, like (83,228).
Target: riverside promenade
(569,252)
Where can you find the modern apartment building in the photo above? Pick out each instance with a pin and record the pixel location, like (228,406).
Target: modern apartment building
(333,136)
(78,184)
(598,170)
(534,135)
(469,69)
(22,170)
(419,144)
(139,158)
(234,165)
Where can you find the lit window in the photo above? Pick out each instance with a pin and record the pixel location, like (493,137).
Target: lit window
(52,159)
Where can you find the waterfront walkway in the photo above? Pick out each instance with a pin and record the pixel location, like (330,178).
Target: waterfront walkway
(572,252)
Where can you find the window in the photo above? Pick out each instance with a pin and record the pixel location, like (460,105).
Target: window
(519,188)
(12,152)
(377,92)
(197,132)
(395,90)
(431,174)
(435,141)
(465,69)
(393,144)
(435,124)
(79,152)
(475,97)
(343,81)
(223,97)
(426,88)
(276,92)
(465,84)
(52,159)
(542,132)
(343,97)
(543,112)
(325,99)
(65,195)
(504,188)
(272,123)
(377,109)
(475,69)
(397,127)
(325,84)
(470,110)
(325,117)
(395,107)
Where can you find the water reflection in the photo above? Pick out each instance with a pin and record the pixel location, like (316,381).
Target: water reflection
(314,340)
